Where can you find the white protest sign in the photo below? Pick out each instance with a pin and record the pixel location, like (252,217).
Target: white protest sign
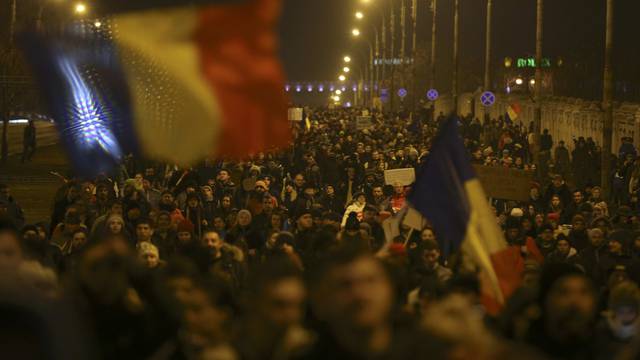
(403,176)
(295,114)
(363,122)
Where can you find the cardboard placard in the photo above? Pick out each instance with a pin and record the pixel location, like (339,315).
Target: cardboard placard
(403,176)
(414,219)
(505,183)
(363,122)
(295,114)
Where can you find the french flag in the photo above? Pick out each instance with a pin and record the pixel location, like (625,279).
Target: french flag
(448,193)
(172,80)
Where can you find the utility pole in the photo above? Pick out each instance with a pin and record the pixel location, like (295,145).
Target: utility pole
(403,41)
(537,119)
(456,35)
(434,9)
(376,64)
(414,23)
(487,55)
(607,104)
(4,151)
(393,54)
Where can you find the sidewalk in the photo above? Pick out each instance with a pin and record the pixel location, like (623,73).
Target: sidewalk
(31,183)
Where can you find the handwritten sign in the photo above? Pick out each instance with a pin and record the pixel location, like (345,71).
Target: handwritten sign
(363,122)
(403,176)
(504,183)
(295,114)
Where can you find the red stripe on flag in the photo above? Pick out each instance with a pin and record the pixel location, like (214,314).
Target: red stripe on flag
(238,49)
(508,266)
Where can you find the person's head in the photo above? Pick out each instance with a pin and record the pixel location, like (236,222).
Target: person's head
(144,229)
(577,197)
(115,224)
(624,303)
(596,237)
(223,176)
(226,202)
(557,181)
(219,224)
(578,223)
(351,291)
(116,208)
(361,199)
(244,218)
(430,252)
(615,245)
(330,190)
(276,221)
(563,246)
(10,250)
(369,214)
(261,187)
(298,180)
(193,201)
(207,192)
(185,231)
(304,220)
(569,303)
(596,192)
(546,233)
(212,241)
(163,222)
(79,239)
(148,254)
(398,189)
(427,234)
(377,191)
(284,242)
(512,229)
(267,203)
(167,198)
(555,201)
(277,295)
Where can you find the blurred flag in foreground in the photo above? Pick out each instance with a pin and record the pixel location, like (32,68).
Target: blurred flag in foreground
(448,193)
(173,82)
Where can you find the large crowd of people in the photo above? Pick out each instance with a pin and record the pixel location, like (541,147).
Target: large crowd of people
(284,255)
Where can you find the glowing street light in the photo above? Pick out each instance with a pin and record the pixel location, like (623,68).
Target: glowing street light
(355,32)
(347,59)
(346,69)
(359,15)
(80,8)
(519,81)
(336,98)
(97,24)
(342,78)
(532,82)
(338,92)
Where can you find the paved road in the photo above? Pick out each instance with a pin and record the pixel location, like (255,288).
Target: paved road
(31,184)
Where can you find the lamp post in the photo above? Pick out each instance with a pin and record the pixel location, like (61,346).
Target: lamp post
(537,114)
(607,104)
(487,55)
(456,35)
(434,30)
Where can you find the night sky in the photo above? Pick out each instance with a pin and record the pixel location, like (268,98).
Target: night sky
(315,34)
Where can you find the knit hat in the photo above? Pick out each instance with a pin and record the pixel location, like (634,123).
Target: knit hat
(261,183)
(147,248)
(186,226)
(517,212)
(246,212)
(352,222)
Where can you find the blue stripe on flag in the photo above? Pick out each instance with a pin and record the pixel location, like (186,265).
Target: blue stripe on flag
(87,95)
(439,193)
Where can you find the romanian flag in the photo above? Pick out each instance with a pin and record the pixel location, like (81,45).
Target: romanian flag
(448,193)
(170,80)
(513,111)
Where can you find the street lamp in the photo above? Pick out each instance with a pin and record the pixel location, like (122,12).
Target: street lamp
(342,78)
(359,15)
(336,98)
(338,92)
(97,24)
(346,69)
(519,81)
(80,8)
(532,82)
(347,59)
(355,32)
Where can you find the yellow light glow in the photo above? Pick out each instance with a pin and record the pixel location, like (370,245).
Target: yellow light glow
(347,59)
(97,24)
(359,15)
(80,8)
(346,69)
(338,92)
(342,78)
(355,32)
